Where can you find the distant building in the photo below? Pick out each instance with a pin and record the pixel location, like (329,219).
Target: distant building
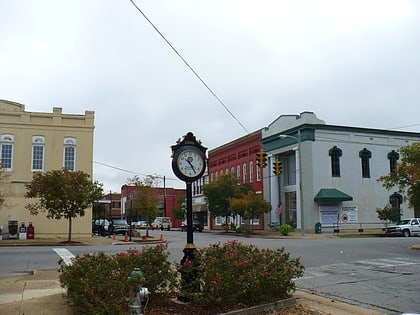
(237,157)
(199,204)
(167,202)
(35,142)
(336,183)
(112,206)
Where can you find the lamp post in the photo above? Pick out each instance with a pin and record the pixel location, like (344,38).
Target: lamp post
(299,141)
(131,218)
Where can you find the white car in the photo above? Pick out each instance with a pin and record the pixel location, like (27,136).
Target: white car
(406,227)
(162,223)
(139,224)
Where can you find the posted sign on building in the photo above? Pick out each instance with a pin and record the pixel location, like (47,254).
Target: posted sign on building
(332,215)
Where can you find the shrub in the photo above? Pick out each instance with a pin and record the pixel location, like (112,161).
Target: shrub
(97,283)
(237,273)
(285,229)
(227,274)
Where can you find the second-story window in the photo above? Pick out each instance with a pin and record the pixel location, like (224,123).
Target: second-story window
(6,151)
(244,173)
(258,170)
(70,153)
(251,172)
(335,154)
(38,144)
(393,157)
(365,156)
(238,172)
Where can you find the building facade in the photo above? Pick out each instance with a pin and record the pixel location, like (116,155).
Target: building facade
(237,157)
(35,142)
(167,202)
(199,204)
(330,172)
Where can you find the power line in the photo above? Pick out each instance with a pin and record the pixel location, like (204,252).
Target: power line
(191,68)
(407,126)
(132,172)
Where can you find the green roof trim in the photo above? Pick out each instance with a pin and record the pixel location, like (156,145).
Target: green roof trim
(331,194)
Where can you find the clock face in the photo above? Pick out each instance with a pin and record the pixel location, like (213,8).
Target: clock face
(190,163)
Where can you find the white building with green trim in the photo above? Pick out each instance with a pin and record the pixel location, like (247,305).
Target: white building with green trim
(336,183)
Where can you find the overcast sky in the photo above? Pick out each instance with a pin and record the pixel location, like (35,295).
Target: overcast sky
(353,63)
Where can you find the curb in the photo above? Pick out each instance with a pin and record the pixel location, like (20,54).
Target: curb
(263,307)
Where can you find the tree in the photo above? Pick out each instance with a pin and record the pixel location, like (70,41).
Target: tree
(219,193)
(407,175)
(250,206)
(146,202)
(180,211)
(3,177)
(62,193)
(389,213)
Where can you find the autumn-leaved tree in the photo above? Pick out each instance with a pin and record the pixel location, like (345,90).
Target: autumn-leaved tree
(62,194)
(220,192)
(146,201)
(407,175)
(250,206)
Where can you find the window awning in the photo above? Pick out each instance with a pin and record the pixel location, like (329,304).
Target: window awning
(331,194)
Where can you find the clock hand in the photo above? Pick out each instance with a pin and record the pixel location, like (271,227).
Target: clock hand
(192,166)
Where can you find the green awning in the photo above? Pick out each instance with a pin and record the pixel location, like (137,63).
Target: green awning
(331,194)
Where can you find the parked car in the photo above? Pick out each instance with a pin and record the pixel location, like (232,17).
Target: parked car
(405,228)
(100,227)
(197,226)
(139,225)
(162,223)
(119,226)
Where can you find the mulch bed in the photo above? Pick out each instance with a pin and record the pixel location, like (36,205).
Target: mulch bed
(169,307)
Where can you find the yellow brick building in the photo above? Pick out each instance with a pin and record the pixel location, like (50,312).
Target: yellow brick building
(35,141)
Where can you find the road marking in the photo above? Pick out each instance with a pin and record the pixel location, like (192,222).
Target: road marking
(327,270)
(65,255)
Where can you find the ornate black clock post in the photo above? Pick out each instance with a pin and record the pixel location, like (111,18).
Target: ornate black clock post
(189,164)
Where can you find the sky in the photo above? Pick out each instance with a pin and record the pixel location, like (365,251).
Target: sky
(353,63)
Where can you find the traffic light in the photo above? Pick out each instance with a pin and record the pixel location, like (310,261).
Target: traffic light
(261,159)
(277,167)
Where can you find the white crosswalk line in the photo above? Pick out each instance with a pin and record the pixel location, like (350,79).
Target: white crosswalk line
(400,262)
(327,270)
(65,255)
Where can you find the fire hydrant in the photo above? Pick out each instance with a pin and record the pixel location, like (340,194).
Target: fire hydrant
(139,295)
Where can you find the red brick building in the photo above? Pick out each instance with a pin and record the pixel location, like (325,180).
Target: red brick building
(112,203)
(167,201)
(237,157)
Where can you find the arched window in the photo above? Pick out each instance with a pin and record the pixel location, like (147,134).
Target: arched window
(238,172)
(335,154)
(70,153)
(6,151)
(251,172)
(365,156)
(244,173)
(393,157)
(38,145)
(258,170)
